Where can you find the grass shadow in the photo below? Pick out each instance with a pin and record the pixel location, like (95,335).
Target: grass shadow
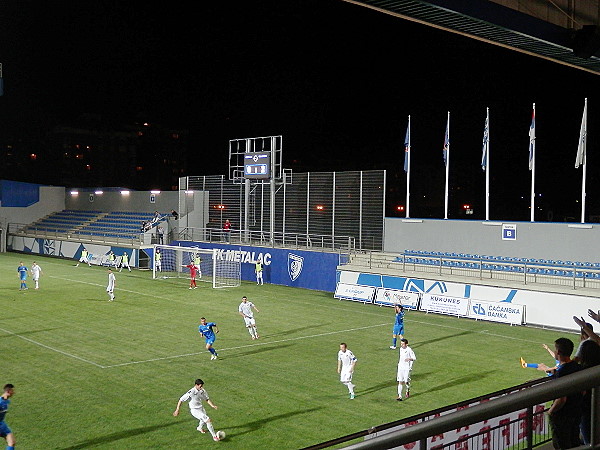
(377,387)
(113,437)
(458,381)
(294,330)
(432,341)
(257,425)
(255,350)
(25,333)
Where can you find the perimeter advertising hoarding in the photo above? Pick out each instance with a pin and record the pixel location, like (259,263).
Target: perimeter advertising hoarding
(354,292)
(443,304)
(497,312)
(391,297)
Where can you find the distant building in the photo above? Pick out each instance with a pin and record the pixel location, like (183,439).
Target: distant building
(95,152)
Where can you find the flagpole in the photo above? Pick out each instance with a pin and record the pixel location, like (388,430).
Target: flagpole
(487,169)
(583,137)
(407,157)
(447,161)
(532,163)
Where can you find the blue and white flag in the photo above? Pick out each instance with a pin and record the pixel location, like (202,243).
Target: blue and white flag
(486,142)
(407,147)
(581,148)
(532,140)
(446,141)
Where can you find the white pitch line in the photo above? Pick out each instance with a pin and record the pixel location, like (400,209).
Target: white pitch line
(70,355)
(247,346)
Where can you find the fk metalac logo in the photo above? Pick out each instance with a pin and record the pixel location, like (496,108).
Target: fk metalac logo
(295,264)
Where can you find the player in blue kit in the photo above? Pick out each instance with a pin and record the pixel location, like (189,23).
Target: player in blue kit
(22,271)
(206,329)
(398,330)
(5,431)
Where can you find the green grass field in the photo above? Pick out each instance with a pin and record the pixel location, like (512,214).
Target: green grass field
(94,374)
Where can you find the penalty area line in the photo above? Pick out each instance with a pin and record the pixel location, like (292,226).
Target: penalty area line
(280,341)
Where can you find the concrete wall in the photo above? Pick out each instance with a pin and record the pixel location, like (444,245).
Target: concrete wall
(52,199)
(140,201)
(555,241)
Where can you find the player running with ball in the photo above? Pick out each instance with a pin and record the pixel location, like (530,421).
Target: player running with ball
(206,329)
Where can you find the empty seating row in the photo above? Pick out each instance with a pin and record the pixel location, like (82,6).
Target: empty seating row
(503,259)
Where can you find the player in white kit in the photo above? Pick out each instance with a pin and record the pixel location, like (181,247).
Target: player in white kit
(36,272)
(110,287)
(345,367)
(405,363)
(196,396)
(245,310)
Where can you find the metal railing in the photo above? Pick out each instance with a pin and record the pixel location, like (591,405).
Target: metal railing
(248,237)
(573,276)
(100,236)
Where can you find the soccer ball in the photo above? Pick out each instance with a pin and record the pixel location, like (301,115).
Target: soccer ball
(221,435)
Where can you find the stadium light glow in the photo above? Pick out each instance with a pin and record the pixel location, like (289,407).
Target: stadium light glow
(155,192)
(124,192)
(219,206)
(189,192)
(74,193)
(320,207)
(99,192)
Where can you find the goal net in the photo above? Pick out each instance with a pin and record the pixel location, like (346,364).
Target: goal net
(173,262)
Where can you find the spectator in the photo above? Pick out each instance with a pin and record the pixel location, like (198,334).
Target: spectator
(175,214)
(227,230)
(586,328)
(565,412)
(161,234)
(583,337)
(589,356)
(156,217)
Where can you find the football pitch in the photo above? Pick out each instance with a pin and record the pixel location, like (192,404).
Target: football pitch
(89,373)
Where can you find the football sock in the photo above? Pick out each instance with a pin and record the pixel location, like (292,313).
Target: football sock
(250,331)
(255,332)
(400,386)
(212,350)
(210,427)
(394,342)
(351,388)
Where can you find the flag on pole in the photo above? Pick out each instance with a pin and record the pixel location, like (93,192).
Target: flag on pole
(486,138)
(407,147)
(446,142)
(581,148)
(532,139)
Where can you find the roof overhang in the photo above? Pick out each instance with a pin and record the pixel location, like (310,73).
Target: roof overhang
(492,23)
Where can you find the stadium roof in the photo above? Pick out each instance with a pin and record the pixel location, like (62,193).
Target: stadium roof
(493,23)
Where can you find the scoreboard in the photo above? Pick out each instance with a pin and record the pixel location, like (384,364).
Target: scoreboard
(257,165)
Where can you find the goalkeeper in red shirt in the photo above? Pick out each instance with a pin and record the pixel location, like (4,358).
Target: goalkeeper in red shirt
(193,273)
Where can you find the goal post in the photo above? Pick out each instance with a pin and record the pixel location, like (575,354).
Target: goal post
(169,262)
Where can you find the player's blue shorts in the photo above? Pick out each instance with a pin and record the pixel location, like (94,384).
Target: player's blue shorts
(23,277)
(398,329)
(210,341)
(4,429)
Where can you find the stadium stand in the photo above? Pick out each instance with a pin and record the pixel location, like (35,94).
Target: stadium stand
(117,224)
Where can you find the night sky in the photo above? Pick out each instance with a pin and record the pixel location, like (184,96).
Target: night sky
(338,81)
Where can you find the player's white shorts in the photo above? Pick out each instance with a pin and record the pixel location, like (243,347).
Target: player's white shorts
(250,321)
(346,375)
(403,375)
(200,414)
(36,277)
